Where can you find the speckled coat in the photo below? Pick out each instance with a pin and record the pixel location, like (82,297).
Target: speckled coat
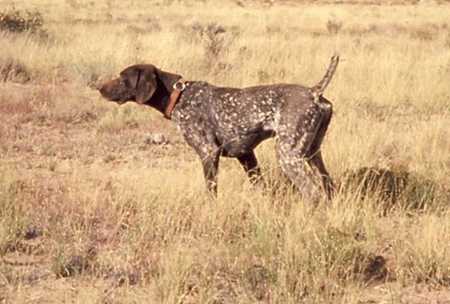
(231,122)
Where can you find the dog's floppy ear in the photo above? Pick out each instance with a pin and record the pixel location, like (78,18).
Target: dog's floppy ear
(142,79)
(146,85)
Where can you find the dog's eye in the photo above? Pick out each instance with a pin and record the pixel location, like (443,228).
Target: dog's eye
(123,82)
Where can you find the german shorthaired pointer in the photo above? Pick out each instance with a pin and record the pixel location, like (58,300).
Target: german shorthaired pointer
(231,122)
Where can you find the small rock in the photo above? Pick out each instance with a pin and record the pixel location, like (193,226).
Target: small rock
(125,277)
(32,232)
(76,264)
(156,139)
(375,269)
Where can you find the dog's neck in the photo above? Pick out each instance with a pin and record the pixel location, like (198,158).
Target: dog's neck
(165,97)
(173,99)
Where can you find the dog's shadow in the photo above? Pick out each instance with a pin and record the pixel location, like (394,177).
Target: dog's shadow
(388,188)
(393,188)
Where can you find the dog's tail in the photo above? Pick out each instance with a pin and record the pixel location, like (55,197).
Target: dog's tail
(319,88)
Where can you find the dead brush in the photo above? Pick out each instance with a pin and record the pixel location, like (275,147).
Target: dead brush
(216,40)
(13,70)
(334,26)
(17,21)
(424,34)
(212,35)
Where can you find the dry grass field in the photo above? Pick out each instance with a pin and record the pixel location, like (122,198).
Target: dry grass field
(93,211)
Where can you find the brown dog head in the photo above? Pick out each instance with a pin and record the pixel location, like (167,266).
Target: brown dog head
(142,83)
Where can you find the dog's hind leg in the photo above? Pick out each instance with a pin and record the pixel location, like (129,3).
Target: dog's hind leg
(299,171)
(327,182)
(315,156)
(298,137)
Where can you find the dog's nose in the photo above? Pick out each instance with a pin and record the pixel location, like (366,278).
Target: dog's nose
(103,90)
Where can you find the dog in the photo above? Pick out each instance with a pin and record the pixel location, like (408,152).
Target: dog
(222,121)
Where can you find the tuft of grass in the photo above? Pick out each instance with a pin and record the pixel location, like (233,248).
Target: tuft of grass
(13,215)
(120,118)
(422,252)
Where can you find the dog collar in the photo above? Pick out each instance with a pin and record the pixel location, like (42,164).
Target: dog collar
(178,87)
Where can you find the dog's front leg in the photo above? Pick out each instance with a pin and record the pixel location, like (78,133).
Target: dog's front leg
(198,134)
(210,162)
